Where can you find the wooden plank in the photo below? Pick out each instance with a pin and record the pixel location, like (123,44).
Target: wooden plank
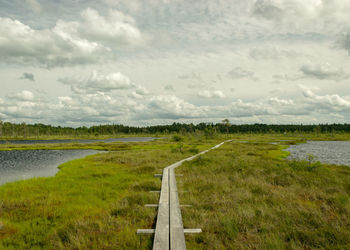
(192,230)
(177,236)
(161,237)
(151,205)
(145,231)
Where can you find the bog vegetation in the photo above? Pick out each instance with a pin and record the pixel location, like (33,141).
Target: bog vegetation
(245,195)
(245,198)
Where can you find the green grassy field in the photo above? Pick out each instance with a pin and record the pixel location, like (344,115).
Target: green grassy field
(244,196)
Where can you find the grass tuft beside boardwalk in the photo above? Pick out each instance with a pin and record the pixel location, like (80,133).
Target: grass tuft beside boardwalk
(245,196)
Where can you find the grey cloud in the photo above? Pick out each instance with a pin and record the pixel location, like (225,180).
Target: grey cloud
(238,73)
(196,85)
(298,12)
(41,92)
(28,76)
(135,95)
(34,5)
(139,93)
(141,90)
(345,42)
(193,76)
(272,53)
(169,87)
(266,9)
(323,72)
(286,77)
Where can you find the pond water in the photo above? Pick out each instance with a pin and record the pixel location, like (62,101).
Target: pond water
(24,164)
(128,139)
(331,152)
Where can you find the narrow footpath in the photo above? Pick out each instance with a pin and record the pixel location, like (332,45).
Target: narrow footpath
(169,232)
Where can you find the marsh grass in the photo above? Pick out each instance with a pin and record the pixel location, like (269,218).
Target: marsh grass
(245,196)
(92,203)
(165,144)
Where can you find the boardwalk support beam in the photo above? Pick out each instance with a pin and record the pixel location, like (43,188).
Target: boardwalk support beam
(186,231)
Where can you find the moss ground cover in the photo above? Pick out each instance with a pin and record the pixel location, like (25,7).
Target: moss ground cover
(245,196)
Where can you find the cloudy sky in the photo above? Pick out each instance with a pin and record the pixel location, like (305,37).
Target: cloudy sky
(144,62)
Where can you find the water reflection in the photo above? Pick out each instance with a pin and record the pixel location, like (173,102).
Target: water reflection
(331,152)
(18,165)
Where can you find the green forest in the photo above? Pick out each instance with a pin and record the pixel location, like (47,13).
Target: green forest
(23,130)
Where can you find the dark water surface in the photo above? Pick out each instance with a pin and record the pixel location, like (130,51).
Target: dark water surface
(331,152)
(25,164)
(128,139)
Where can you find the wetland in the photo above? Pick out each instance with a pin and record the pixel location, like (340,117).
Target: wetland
(329,152)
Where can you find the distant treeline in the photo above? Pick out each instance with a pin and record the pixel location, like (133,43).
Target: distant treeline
(8,129)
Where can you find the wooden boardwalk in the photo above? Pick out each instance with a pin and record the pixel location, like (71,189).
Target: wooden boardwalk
(169,232)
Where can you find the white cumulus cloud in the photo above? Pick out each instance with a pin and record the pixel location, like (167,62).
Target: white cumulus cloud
(101,82)
(87,41)
(211,94)
(330,100)
(276,100)
(114,29)
(24,95)
(171,107)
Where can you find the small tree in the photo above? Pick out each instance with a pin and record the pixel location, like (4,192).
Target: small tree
(227,124)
